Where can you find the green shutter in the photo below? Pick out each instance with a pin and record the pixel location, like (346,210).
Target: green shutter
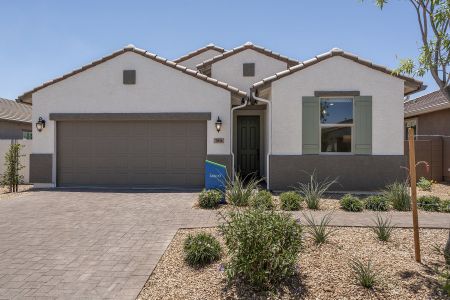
(310,125)
(363,125)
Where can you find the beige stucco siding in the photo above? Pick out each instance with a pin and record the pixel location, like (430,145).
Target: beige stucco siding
(192,62)
(158,89)
(229,70)
(338,74)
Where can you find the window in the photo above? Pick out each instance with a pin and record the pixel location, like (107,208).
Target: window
(336,124)
(27,135)
(413,124)
(248,69)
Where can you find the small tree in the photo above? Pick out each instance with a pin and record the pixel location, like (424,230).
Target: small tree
(11,178)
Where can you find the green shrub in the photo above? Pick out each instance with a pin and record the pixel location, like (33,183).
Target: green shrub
(290,201)
(351,203)
(429,203)
(363,273)
(262,199)
(11,177)
(445,206)
(263,246)
(383,228)
(201,249)
(313,190)
(240,191)
(319,232)
(424,184)
(209,199)
(377,203)
(397,194)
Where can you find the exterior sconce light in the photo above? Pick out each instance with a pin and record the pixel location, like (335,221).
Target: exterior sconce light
(40,124)
(218,124)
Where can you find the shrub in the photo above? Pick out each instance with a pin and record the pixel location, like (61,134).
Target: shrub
(201,249)
(319,232)
(209,199)
(11,177)
(429,203)
(313,190)
(351,203)
(445,206)
(263,246)
(363,273)
(262,199)
(240,191)
(424,184)
(397,195)
(377,203)
(290,201)
(383,228)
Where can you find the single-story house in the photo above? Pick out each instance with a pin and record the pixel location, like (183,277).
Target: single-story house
(429,115)
(135,119)
(15,120)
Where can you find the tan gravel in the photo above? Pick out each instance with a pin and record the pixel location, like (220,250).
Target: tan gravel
(324,271)
(442,190)
(4,192)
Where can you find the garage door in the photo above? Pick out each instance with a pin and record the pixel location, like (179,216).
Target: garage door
(167,154)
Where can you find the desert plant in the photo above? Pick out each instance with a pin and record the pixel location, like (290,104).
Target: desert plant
(429,203)
(319,232)
(363,272)
(377,203)
(397,195)
(11,177)
(262,199)
(445,205)
(290,201)
(209,198)
(263,246)
(240,190)
(201,249)
(382,228)
(424,184)
(351,203)
(444,279)
(313,190)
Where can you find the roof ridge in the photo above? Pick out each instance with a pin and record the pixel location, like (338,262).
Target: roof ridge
(247,45)
(210,46)
(154,57)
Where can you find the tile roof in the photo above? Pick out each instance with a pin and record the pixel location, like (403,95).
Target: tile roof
(336,52)
(207,63)
(12,111)
(199,51)
(430,102)
(154,57)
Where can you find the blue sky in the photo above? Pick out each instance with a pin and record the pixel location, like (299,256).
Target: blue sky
(43,39)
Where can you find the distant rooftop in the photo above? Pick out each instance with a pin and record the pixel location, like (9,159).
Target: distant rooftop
(13,111)
(427,103)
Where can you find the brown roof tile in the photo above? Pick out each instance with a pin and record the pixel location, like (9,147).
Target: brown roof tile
(207,63)
(131,48)
(337,52)
(13,111)
(430,102)
(199,51)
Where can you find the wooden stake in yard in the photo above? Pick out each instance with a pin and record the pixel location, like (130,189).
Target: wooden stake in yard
(412,176)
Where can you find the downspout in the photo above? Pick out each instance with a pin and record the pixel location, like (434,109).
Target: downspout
(269,152)
(245,99)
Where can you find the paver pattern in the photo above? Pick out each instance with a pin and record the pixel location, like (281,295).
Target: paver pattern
(64,244)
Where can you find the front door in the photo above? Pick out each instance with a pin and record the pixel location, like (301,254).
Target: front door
(248,145)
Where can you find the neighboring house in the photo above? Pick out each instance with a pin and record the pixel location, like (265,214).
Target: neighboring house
(15,120)
(134,119)
(429,115)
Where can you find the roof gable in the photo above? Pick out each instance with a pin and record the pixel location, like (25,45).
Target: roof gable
(198,52)
(411,85)
(130,48)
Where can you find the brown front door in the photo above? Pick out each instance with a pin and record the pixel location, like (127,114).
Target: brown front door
(248,150)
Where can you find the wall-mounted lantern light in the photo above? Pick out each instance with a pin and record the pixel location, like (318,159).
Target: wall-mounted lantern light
(40,124)
(218,124)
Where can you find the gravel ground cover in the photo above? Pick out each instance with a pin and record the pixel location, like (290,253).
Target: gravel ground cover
(324,272)
(441,190)
(4,192)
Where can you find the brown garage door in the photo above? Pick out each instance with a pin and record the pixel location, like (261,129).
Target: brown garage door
(131,153)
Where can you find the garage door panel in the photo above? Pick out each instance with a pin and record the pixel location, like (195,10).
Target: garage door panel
(141,153)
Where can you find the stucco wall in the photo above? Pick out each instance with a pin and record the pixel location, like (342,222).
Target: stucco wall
(13,130)
(158,89)
(338,74)
(434,123)
(192,62)
(229,70)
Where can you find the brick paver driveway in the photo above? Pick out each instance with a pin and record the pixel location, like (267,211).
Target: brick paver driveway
(87,244)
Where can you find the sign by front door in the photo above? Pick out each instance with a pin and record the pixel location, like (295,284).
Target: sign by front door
(218,140)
